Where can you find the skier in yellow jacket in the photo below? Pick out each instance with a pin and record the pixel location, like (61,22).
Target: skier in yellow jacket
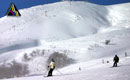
(52,67)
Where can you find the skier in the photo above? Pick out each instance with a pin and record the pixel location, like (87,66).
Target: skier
(52,67)
(115,60)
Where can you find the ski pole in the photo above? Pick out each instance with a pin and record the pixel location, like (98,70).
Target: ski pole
(58,71)
(120,63)
(46,72)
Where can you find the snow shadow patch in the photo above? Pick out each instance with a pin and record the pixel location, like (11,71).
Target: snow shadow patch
(61,60)
(19,46)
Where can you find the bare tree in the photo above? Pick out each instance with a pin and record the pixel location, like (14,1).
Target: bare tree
(61,59)
(13,69)
(107,42)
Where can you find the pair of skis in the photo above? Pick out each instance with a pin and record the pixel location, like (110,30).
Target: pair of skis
(46,75)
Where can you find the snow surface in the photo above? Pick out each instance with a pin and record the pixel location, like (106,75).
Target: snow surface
(89,71)
(79,29)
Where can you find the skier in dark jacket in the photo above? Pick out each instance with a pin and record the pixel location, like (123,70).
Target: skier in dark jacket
(115,60)
(52,67)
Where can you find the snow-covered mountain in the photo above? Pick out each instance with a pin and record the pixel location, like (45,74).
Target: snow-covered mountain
(78,29)
(64,21)
(69,21)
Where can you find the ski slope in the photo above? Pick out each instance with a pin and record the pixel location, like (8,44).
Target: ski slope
(78,29)
(89,71)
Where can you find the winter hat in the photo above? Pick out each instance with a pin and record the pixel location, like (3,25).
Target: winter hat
(52,60)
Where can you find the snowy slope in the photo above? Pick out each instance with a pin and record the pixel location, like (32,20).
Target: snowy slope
(63,21)
(93,46)
(78,29)
(89,71)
